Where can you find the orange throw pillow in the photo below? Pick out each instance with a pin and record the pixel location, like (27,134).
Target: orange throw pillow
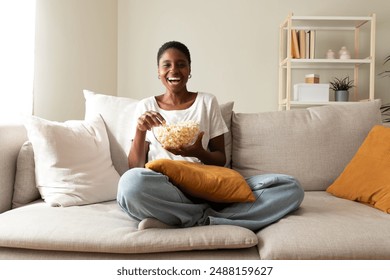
(367,177)
(213,183)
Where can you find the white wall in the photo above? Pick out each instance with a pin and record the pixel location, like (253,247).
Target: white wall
(234,44)
(110,46)
(76,48)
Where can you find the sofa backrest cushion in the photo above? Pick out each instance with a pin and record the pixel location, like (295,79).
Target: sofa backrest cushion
(314,145)
(12,136)
(25,190)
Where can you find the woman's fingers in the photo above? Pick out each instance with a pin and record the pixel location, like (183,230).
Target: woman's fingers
(150,119)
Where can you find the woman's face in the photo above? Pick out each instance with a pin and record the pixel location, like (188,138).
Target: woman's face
(173,70)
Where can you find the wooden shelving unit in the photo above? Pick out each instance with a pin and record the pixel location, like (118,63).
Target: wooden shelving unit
(288,64)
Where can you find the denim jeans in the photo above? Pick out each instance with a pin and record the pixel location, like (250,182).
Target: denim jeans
(144,193)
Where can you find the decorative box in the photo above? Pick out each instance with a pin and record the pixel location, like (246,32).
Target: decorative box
(311,92)
(312,79)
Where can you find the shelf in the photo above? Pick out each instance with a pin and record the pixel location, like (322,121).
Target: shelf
(290,68)
(311,104)
(330,61)
(325,63)
(328,22)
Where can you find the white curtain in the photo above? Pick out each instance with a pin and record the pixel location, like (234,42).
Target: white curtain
(17,31)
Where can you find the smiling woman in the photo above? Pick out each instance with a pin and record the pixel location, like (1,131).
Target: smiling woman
(17,29)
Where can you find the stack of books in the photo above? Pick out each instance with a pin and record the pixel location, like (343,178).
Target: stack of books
(303,44)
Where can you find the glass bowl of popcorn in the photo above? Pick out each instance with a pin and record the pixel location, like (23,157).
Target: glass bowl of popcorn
(176,135)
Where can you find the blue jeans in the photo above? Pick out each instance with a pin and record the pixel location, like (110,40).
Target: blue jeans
(144,193)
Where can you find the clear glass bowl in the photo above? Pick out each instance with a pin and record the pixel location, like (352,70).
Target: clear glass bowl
(174,136)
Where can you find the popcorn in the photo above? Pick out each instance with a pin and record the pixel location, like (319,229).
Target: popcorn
(177,135)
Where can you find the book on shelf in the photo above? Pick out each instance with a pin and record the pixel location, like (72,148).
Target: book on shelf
(302,44)
(307,39)
(294,44)
(312,39)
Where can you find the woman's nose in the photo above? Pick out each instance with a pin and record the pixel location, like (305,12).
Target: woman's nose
(174,68)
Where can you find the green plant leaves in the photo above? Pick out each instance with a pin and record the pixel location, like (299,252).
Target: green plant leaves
(341,84)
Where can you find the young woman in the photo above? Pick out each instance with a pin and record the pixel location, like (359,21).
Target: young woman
(150,197)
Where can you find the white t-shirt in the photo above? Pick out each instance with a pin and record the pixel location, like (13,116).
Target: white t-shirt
(205,110)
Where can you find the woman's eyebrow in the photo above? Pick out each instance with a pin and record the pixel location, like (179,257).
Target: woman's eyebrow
(179,60)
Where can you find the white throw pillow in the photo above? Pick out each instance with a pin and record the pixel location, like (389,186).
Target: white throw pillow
(73,164)
(118,115)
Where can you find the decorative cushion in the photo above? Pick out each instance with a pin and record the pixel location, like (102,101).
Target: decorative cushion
(213,183)
(72,161)
(25,190)
(117,113)
(366,178)
(313,145)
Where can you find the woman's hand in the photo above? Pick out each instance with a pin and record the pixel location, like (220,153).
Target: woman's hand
(215,155)
(189,151)
(148,120)
(139,149)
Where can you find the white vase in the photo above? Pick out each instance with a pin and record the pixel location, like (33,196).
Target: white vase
(344,53)
(330,54)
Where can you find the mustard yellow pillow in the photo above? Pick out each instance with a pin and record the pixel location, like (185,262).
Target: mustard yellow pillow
(213,183)
(366,178)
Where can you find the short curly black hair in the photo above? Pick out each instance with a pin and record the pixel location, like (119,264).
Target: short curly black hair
(175,45)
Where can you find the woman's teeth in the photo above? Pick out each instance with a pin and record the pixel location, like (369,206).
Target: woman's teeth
(173,79)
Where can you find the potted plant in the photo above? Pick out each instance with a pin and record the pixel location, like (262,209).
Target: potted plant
(341,88)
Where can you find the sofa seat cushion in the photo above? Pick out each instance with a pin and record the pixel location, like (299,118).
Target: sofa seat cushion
(328,227)
(105,228)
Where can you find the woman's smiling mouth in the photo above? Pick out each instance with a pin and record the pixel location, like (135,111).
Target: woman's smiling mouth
(173,80)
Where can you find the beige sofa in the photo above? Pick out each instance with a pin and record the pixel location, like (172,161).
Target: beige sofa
(314,145)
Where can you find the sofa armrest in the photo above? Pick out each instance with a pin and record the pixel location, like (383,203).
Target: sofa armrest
(12,137)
